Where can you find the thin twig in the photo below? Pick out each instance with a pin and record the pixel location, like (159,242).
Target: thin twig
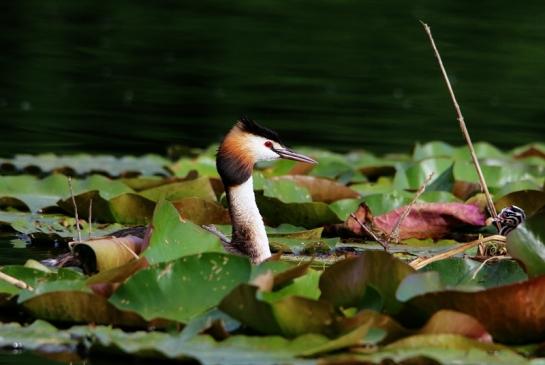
(117,240)
(78,228)
(486,261)
(212,229)
(421,262)
(484,187)
(394,236)
(383,243)
(90,218)
(13,281)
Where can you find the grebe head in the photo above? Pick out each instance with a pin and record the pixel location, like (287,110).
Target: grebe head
(246,144)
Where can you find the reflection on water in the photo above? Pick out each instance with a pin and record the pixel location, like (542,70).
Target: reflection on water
(16,251)
(133,77)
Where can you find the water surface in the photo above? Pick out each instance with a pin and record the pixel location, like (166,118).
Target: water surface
(135,77)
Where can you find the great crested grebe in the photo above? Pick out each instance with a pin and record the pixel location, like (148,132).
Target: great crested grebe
(246,144)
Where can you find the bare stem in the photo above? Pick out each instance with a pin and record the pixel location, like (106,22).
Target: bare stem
(120,241)
(394,236)
(90,218)
(13,281)
(493,258)
(421,262)
(484,187)
(78,228)
(383,243)
(212,229)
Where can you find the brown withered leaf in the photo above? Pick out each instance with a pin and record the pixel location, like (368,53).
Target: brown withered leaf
(427,220)
(202,211)
(104,253)
(512,313)
(441,322)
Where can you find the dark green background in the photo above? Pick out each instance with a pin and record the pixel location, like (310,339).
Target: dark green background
(137,76)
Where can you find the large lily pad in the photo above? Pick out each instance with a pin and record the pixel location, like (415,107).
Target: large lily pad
(181,289)
(511,313)
(73,302)
(345,283)
(309,215)
(435,349)
(173,237)
(291,316)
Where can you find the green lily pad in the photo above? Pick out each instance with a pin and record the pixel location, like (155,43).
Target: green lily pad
(182,289)
(330,165)
(344,284)
(305,286)
(308,215)
(344,207)
(483,150)
(433,349)
(414,175)
(54,225)
(384,203)
(203,165)
(286,191)
(432,149)
(235,350)
(39,336)
(197,188)
(465,272)
(321,190)
(173,238)
(37,193)
(527,244)
(290,316)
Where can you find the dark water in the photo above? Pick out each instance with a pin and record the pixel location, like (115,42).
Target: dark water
(15,250)
(136,76)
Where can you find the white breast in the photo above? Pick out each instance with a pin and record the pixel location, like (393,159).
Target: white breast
(245,216)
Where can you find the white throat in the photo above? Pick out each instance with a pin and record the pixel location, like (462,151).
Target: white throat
(248,228)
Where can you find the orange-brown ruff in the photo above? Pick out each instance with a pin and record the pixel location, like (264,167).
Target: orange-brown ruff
(246,144)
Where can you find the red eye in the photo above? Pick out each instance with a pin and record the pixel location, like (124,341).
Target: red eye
(269,144)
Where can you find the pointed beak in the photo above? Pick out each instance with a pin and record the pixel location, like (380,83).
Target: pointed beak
(292,155)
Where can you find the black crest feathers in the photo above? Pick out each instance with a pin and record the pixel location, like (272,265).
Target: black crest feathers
(250,126)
